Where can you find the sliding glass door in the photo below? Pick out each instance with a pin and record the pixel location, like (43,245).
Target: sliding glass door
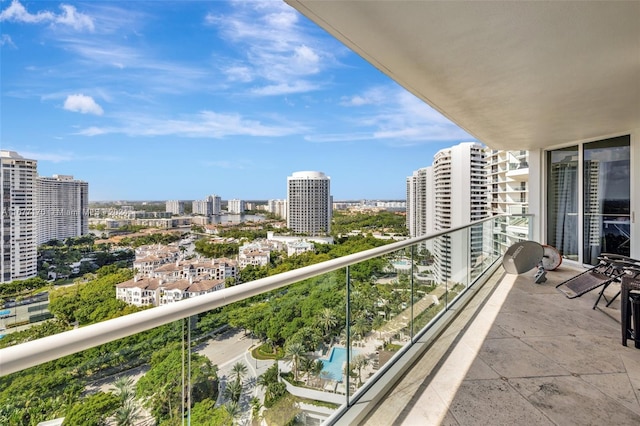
(588,196)
(562,201)
(606,177)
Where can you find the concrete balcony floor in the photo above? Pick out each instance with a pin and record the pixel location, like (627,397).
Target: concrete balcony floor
(522,354)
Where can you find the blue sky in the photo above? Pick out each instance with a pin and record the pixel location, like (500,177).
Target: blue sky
(178,100)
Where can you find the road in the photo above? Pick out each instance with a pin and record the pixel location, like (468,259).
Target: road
(227,349)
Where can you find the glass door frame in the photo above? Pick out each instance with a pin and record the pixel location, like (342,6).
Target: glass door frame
(634,186)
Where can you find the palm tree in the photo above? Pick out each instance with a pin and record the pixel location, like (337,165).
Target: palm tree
(124,388)
(360,327)
(256,405)
(359,363)
(233,391)
(239,370)
(129,412)
(128,415)
(327,320)
(295,352)
(233,409)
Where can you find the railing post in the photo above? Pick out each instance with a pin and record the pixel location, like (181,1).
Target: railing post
(348,330)
(411,293)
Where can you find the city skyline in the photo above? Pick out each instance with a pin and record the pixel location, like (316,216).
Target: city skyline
(180,100)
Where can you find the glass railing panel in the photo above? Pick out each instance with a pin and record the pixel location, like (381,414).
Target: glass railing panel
(457,251)
(381,294)
(280,355)
(139,379)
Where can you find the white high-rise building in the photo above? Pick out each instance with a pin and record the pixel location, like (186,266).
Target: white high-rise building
(203,207)
(278,208)
(508,176)
(309,203)
(420,205)
(450,193)
(235,206)
(208,207)
(18,233)
(216,204)
(62,206)
(175,207)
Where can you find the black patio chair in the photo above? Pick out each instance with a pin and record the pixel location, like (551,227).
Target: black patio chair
(609,270)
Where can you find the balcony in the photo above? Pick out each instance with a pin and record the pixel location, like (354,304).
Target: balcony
(380,329)
(497,349)
(530,355)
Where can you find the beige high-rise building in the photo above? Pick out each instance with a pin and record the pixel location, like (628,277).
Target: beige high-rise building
(62,206)
(18,232)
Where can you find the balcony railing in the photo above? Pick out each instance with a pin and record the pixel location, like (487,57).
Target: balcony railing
(358,314)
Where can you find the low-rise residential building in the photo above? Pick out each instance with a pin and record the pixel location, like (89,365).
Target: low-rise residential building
(298,247)
(151,257)
(217,269)
(145,291)
(257,253)
(163,277)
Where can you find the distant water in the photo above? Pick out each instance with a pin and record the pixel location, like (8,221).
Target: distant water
(237,218)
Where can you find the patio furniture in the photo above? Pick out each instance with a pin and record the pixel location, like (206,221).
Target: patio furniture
(630,309)
(610,269)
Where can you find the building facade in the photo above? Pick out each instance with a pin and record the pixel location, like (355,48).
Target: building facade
(420,203)
(278,208)
(508,175)
(18,233)
(63,208)
(236,206)
(309,203)
(175,207)
(450,193)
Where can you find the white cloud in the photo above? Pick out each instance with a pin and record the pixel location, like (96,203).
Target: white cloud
(5,39)
(72,18)
(372,96)
(239,73)
(44,156)
(16,12)
(390,114)
(206,124)
(277,49)
(83,104)
(299,86)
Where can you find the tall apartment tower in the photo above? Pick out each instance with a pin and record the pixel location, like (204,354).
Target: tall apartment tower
(235,206)
(309,204)
(508,176)
(450,193)
(278,208)
(203,207)
(420,203)
(18,233)
(208,207)
(216,204)
(175,207)
(62,206)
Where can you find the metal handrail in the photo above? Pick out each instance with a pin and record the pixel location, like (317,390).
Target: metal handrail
(36,352)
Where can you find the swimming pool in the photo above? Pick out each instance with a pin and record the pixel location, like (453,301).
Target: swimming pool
(332,366)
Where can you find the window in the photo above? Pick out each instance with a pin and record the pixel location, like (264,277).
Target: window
(588,195)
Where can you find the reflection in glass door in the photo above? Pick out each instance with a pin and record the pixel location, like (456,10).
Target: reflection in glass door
(605,199)
(562,201)
(606,180)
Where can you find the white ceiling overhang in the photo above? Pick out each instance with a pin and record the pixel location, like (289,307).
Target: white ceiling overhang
(514,74)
